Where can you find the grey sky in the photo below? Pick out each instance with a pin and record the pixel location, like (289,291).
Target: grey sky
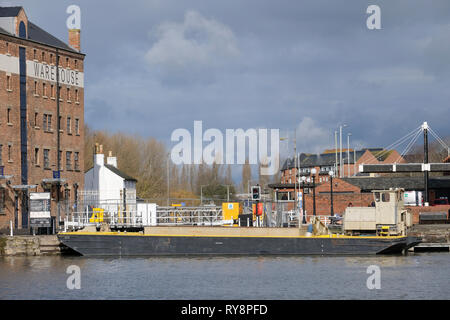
(154,66)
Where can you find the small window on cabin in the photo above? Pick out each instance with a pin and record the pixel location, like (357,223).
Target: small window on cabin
(385,197)
(377,196)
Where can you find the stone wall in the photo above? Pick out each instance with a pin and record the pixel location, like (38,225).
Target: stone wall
(30,246)
(432,233)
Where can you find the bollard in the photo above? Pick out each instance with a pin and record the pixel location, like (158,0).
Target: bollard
(11,233)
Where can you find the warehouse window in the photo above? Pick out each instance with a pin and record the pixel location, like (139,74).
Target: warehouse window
(35,54)
(43,56)
(69,125)
(68,94)
(36,115)
(36,156)
(69,160)
(9,153)
(8,83)
(76,64)
(44,90)
(77,126)
(8,116)
(52,93)
(46,159)
(2,201)
(35,88)
(47,123)
(76,161)
(77,99)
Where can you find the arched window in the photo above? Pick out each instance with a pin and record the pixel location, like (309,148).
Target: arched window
(22,30)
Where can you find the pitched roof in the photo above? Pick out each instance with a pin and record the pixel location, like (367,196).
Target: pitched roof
(116,171)
(324,159)
(9,11)
(35,33)
(120,173)
(407,183)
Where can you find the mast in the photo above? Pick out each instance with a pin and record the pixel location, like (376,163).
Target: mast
(425,160)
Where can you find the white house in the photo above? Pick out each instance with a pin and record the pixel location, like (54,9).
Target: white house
(106,183)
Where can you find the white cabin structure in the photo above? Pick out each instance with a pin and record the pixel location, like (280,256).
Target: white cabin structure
(106,185)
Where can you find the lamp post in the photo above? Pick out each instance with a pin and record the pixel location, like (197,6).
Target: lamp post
(340,144)
(303,199)
(313,172)
(168,181)
(348,153)
(331,173)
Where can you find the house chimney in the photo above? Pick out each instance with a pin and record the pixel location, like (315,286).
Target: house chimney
(111,160)
(75,39)
(99,157)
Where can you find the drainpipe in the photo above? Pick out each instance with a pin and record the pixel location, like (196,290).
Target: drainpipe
(58,142)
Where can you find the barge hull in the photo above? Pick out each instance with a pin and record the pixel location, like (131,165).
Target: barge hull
(158,245)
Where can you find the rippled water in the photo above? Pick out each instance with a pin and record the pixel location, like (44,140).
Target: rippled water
(415,276)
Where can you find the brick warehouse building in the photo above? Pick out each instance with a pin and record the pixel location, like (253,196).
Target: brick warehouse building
(31,114)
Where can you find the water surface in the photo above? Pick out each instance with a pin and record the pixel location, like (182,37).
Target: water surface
(415,276)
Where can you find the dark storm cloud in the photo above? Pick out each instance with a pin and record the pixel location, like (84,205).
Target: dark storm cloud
(154,66)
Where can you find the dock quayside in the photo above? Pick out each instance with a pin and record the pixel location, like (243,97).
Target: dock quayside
(382,229)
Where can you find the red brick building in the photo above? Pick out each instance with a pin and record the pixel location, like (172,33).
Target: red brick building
(326,162)
(355,190)
(34,68)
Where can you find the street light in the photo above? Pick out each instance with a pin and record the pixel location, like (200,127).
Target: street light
(168,180)
(331,173)
(303,199)
(313,172)
(340,143)
(348,153)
